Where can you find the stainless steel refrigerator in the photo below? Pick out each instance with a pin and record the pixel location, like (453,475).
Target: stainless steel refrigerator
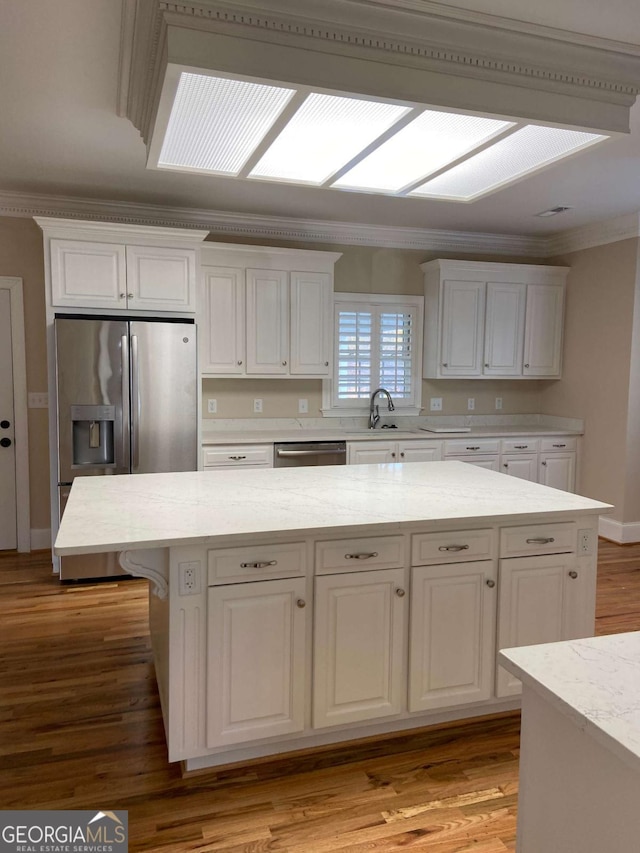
(127,404)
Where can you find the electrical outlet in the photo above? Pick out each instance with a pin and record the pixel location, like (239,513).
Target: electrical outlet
(38,400)
(498,402)
(471,403)
(189,574)
(585,541)
(303,406)
(435,404)
(257,406)
(212,406)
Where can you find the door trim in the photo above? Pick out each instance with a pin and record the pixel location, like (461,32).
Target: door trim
(14,285)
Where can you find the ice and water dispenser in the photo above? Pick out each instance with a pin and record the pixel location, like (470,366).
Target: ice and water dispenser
(93,435)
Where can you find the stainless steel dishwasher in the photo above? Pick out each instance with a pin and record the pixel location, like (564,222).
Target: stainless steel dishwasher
(294,454)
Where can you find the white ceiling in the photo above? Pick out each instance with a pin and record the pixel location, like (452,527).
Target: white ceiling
(61,134)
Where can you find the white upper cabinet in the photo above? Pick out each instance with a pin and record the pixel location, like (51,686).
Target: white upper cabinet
(485,320)
(102,266)
(265,311)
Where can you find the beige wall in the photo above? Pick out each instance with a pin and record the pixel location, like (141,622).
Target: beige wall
(601,290)
(21,255)
(631,507)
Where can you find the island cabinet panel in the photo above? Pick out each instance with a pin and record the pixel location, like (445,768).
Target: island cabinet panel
(256,660)
(359,642)
(451,646)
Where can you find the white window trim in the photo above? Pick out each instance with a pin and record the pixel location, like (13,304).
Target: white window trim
(361,409)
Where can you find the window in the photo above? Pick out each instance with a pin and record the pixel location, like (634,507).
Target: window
(378,342)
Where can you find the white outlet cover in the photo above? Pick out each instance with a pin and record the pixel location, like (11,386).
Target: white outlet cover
(471,403)
(212,406)
(435,404)
(257,406)
(303,406)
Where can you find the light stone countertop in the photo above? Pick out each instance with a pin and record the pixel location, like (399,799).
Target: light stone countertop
(594,681)
(196,507)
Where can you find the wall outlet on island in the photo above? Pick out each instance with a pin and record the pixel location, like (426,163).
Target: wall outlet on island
(257,406)
(585,541)
(189,578)
(212,406)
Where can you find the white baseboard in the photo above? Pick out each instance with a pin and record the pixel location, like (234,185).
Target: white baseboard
(40,538)
(618,532)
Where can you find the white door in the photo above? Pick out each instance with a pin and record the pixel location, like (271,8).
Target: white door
(543,330)
(256,660)
(522,465)
(462,328)
(358,646)
(8,517)
(267,322)
(558,470)
(531,606)
(419,451)
(504,329)
(451,645)
(221,321)
(311,323)
(371,452)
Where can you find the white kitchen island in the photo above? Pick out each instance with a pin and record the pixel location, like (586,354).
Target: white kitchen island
(292,608)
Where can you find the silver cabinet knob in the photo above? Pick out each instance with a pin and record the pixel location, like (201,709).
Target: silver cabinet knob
(544,463)
(526,365)
(326,364)
(402,454)
(491,583)
(129,295)
(445,364)
(487,364)
(505,464)
(240,361)
(573,575)
(400,593)
(301,603)
(122,295)
(284,363)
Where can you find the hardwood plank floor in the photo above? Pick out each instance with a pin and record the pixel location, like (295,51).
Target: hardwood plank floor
(80,727)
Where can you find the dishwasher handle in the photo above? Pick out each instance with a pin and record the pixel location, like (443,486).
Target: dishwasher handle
(321,452)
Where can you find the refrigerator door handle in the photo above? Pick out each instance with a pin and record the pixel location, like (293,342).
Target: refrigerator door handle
(124,351)
(135,405)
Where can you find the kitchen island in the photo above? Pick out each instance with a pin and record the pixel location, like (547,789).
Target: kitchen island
(293,608)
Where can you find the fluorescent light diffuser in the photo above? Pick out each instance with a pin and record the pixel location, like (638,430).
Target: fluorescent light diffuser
(216,123)
(506,160)
(324,134)
(425,145)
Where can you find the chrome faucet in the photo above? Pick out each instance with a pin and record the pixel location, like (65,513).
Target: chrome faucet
(374,415)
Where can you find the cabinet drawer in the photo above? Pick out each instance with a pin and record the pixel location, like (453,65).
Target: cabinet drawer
(538,539)
(256,562)
(238,456)
(548,445)
(358,555)
(520,445)
(459,546)
(471,446)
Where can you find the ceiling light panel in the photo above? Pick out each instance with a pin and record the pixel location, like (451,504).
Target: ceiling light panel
(216,123)
(426,144)
(505,161)
(325,133)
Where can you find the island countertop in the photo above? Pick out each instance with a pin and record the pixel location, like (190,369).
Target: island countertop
(135,511)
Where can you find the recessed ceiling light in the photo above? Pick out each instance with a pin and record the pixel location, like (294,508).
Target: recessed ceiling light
(428,143)
(505,161)
(553,211)
(216,122)
(324,134)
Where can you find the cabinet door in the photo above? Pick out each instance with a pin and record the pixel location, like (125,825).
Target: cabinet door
(531,606)
(451,645)
(221,321)
(462,328)
(504,329)
(371,452)
(522,465)
(419,451)
(160,279)
(88,275)
(558,470)
(358,646)
(267,322)
(255,660)
(492,463)
(311,323)
(543,330)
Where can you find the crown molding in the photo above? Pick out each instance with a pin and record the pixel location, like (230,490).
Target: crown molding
(220,223)
(588,236)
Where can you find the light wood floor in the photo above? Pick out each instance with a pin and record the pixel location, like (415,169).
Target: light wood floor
(80,727)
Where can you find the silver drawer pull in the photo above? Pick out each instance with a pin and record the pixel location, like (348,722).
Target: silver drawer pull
(259,564)
(476,447)
(521,446)
(559,445)
(453,548)
(542,540)
(361,556)
(237,458)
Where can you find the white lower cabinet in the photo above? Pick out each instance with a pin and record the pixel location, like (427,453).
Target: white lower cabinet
(522,465)
(360,623)
(375,452)
(452,634)
(256,641)
(558,470)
